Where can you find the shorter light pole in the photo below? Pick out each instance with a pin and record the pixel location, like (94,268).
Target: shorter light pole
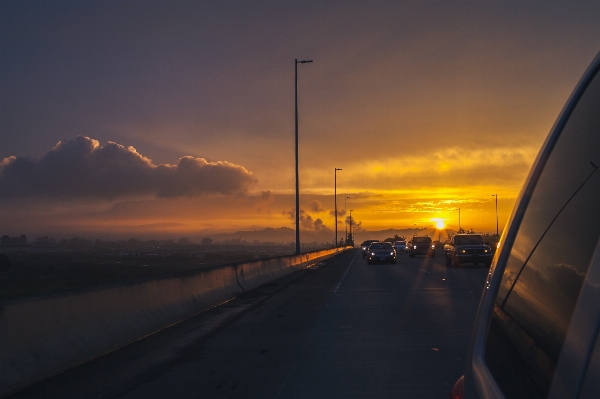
(496,195)
(335,201)
(346,223)
(352,239)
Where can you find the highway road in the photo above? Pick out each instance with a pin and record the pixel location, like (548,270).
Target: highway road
(343,329)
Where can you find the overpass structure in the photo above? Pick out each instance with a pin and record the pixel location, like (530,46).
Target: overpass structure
(326,325)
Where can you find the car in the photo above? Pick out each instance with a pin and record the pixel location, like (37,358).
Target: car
(536,333)
(467,248)
(381,252)
(421,245)
(365,247)
(400,246)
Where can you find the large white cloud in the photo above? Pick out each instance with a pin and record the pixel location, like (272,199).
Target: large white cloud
(81,168)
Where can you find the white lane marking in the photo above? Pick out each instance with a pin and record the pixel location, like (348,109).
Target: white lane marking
(340,283)
(425,271)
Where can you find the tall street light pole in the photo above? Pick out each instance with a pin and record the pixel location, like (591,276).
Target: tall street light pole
(458,218)
(496,195)
(297,179)
(335,201)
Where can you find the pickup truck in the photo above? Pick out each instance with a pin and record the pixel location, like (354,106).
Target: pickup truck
(467,248)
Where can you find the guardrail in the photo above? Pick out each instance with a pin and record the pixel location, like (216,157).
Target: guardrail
(42,337)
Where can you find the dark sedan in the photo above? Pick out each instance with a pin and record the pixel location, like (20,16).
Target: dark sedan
(381,252)
(365,247)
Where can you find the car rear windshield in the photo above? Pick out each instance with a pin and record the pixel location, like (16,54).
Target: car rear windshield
(381,245)
(400,243)
(468,240)
(549,259)
(421,240)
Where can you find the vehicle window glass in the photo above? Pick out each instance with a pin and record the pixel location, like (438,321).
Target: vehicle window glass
(421,239)
(549,258)
(381,245)
(468,240)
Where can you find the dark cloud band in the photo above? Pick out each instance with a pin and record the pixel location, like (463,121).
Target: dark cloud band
(81,168)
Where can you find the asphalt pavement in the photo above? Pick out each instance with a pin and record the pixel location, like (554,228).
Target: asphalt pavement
(343,329)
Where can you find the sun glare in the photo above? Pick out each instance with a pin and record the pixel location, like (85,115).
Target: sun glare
(439,224)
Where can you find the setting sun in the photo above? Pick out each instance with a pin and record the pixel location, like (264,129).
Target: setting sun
(439,224)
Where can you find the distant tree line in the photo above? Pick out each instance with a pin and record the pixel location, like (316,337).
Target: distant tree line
(5,239)
(80,243)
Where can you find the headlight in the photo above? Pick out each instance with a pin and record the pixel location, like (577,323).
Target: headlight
(464,251)
(415,247)
(432,246)
(391,253)
(372,253)
(485,250)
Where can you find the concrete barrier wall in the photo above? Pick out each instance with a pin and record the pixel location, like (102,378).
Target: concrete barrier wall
(255,274)
(43,337)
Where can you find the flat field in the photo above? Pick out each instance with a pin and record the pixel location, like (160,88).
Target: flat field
(37,274)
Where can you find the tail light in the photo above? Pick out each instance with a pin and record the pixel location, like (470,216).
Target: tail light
(458,388)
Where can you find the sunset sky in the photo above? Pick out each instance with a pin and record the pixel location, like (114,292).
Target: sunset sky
(176,118)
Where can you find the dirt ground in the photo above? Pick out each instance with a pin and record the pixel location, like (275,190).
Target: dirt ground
(35,274)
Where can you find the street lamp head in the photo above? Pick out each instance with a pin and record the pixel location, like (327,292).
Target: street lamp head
(338,168)
(304,61)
